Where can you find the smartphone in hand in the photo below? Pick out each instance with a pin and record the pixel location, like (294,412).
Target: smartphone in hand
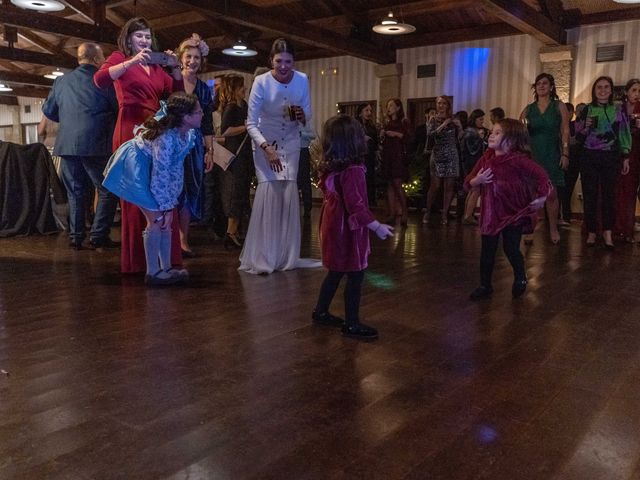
(158,58)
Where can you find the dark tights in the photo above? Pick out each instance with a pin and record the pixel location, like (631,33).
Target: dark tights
(511,236)
(351,293)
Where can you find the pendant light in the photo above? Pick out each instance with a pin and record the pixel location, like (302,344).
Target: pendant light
(239,49)
(5,88)
(390,26)
(39,5)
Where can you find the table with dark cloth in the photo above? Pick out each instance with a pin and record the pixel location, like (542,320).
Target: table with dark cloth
(27,180)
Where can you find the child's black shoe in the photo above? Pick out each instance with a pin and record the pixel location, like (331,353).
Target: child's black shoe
(325,318)
(481,292)
(360,331)
(518,288)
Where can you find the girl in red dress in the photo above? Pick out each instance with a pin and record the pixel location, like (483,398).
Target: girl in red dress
(344,223)
(512,188)
(139,88)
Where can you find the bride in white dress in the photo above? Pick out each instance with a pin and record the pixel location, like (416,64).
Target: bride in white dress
(278,104)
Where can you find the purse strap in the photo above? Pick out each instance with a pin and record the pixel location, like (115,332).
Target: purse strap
(241,144)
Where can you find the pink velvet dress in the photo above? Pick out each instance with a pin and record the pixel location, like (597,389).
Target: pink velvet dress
(139,94)
(344,236)
(517,180)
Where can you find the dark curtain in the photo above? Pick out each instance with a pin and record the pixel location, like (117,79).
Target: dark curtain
(28,182)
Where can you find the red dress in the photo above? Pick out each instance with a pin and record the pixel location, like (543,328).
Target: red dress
(627,186)
(517,180)
(344,236)
(139,96)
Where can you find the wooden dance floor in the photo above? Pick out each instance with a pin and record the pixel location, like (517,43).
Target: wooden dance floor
(226,378)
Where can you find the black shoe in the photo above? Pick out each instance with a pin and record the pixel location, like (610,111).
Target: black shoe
(359,331)
(518,288)
(160,279)
(327,319)
(76,245)
(188,253)
(104,243)
(481,292)
(609,246)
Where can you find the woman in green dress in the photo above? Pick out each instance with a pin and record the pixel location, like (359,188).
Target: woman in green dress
(547,120)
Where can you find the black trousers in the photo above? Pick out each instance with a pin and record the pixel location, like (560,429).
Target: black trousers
(599,172)
(304,178)
(352,293)
(511,236)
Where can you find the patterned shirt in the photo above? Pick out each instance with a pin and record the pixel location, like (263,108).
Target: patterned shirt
(611,133)
(167,168)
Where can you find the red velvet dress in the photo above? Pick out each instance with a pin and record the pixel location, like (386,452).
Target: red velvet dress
(139,96)
(344,236)
(627,186)
(517,180)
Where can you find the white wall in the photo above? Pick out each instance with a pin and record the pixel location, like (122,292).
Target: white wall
(586,70)
(355,80)
(482,74)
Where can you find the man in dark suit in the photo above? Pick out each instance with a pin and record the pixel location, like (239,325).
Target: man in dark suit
(87,117)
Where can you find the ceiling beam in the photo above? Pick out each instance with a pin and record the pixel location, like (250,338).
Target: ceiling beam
(27,56)
(526,19)
(176,20)
(552,9)
(605,17)
(60,26)
(458,35)
(11,100)
(245,14)
(25,79)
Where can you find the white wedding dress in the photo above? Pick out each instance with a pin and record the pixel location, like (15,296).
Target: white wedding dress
(273,238)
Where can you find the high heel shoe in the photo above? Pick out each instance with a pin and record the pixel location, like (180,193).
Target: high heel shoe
(231,241)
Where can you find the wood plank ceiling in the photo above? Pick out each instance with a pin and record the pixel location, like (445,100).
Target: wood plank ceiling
(319,28)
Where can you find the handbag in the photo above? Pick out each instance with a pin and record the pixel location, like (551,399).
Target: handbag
(223,157)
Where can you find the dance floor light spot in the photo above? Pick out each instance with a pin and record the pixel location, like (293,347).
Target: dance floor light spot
(378,280)
(487,434)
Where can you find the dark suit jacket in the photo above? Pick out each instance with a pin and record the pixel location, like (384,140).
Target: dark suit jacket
(87,114)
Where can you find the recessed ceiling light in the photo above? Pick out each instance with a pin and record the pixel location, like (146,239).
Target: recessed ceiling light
(39,5)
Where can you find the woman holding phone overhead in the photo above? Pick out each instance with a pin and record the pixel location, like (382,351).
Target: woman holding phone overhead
(278,104)
(139,87)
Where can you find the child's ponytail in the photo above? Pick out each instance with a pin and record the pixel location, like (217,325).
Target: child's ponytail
(178,105)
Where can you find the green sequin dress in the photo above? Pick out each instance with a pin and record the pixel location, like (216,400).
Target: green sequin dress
(544,130)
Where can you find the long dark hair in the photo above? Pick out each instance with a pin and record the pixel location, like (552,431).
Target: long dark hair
(630,83)
(343,143)
(515,133)
(179,104)
(399,113)
(553,95)
(133,25)
(281,45)
(594,99)
(230,84)
(359,110)
(476,114)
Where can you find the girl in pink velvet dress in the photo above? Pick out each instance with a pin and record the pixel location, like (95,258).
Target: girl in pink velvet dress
(345,222)
(512,187)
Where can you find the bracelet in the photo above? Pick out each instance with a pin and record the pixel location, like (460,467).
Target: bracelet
(264,146)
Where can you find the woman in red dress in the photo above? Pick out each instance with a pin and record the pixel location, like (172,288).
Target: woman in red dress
(627,186)
(139,88)
(395,170)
